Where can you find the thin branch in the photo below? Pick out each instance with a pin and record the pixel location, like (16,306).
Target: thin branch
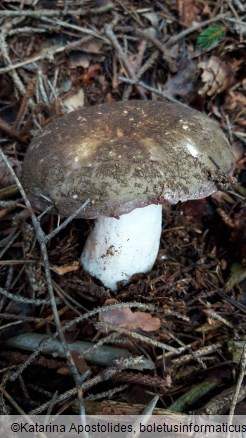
(240,6)
(45,54)
(82,12)
(25,29)
(123,58)
(42,346)
(66,222)
(11,131)
(105,375)
(6,57)
(19,299)
(148,411)
(105,326)
(102,355)
(173,40)
(41,239)
(151,89)
(238,387)
(74,27)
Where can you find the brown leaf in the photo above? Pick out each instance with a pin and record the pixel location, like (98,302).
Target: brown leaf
(125,318)
(64,269)
(63,371)
(183,82)
(187,11)
(91,73)
(217,76)
(92,46)
(79,362)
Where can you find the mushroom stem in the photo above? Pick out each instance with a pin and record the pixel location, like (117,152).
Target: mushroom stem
(116,249)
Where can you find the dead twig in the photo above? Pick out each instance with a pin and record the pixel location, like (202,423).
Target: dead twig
(152,90)
(105,326)
(74,27)
(19,299)
(193,395)
(156,42)
(41,239)
(138,62)
(24,103)
(45,54)
(105,375)
(3,45)
(97,354)
(56,12)
(64,224)
(239,5)
(12,401)
(110,393)
(173,40)
(214,315)
(193,353)
(42,346)
(9,191)
(122,57)
(11,131)
(147,412)
(204,351)
(154,383)
(238,387)
(220,404)
(115,407)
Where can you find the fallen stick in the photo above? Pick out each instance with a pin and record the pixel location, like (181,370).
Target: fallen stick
(102,355)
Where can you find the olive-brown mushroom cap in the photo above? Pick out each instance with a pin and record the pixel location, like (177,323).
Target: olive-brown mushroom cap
(125,155)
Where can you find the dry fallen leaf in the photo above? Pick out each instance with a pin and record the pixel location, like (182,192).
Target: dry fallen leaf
(125,318)
(153,17)
(209,326)
(91,73)
(188,11)
(183,82)
(64,269)
(217,76)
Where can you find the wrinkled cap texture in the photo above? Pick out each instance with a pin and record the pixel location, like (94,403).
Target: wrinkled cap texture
(125,155)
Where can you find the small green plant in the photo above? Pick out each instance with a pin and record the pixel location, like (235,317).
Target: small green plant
(211,35)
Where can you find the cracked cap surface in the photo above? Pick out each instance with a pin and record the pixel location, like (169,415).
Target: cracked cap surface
(125,155)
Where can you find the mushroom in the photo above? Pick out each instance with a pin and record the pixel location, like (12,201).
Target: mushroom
(128,158)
